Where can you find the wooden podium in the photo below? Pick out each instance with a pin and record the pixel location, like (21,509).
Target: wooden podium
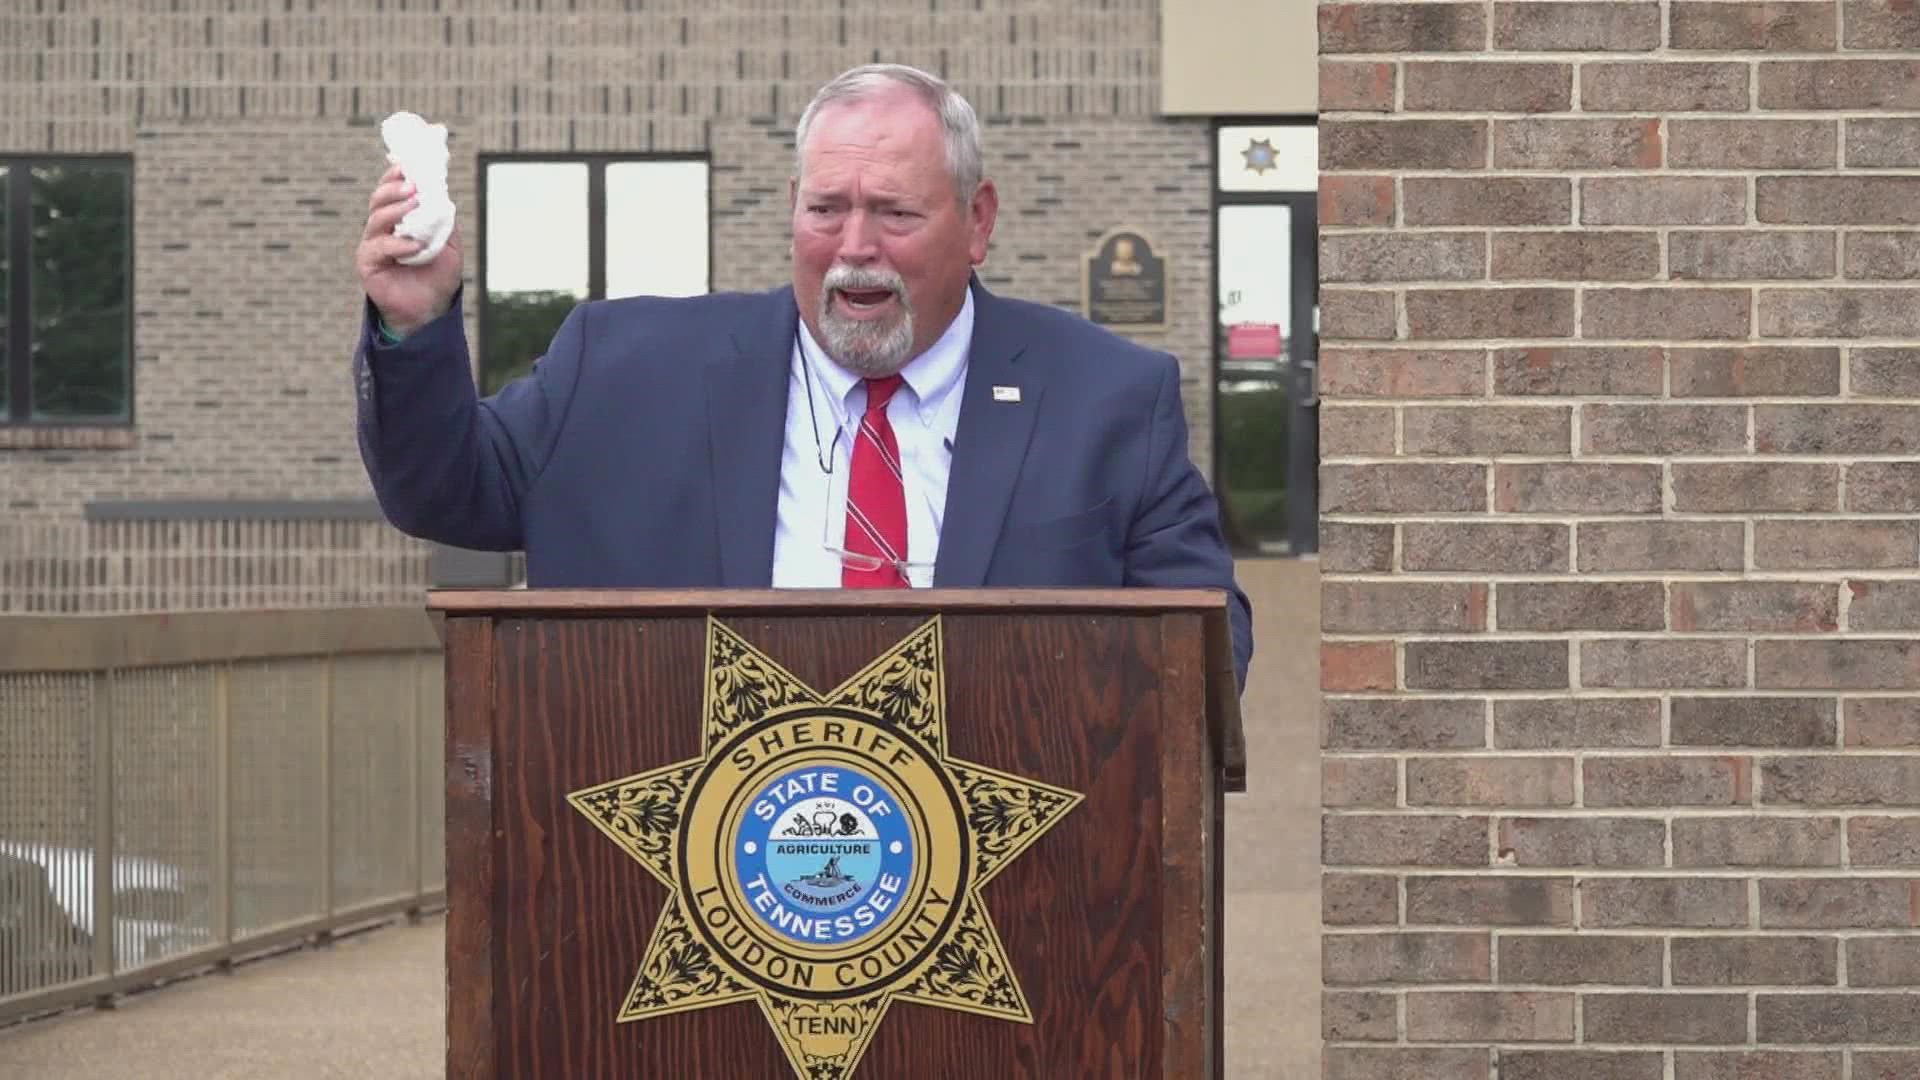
(915,833)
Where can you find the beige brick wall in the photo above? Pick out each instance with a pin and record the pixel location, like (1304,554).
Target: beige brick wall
(1622,526)
(252,130)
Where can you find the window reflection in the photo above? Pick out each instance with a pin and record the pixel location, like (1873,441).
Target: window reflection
(547,222)
(656,228)
(536,259)
(81,322)
(537,227)
(6,289)
(1253,403)
(1254,434)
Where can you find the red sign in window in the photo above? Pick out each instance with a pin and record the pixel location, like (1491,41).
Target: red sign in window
(1253,341)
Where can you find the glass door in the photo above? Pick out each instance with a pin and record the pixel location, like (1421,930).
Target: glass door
(1266,445)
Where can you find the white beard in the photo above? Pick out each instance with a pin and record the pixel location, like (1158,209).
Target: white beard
(868,349)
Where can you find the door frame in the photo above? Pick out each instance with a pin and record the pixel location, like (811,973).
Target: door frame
(1302,348)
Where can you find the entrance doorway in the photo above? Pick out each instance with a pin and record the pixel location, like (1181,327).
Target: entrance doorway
(1266,445)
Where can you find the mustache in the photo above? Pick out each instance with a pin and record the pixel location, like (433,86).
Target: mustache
(843,278)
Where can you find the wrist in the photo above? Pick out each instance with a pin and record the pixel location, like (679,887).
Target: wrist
(393,331)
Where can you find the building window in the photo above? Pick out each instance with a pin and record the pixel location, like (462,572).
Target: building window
(1265,274)
(66,277)
(559,230)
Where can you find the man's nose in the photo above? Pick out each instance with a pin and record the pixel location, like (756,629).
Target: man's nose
(860,238)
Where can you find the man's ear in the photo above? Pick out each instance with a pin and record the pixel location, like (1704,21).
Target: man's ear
(984,208)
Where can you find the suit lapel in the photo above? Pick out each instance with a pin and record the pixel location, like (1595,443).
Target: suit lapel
(746,433)
(989,444)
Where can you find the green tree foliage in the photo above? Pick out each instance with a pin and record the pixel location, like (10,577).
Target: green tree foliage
(80,290)
(516,330)
(6,290)
(1253,461)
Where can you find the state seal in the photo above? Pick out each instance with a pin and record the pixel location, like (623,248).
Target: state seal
(824,856)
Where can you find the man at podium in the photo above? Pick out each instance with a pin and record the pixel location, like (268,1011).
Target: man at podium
(883,421)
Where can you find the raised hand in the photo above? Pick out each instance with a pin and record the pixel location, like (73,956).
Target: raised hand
(407,297)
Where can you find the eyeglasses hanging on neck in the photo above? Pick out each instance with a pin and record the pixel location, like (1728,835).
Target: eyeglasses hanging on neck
(919,574)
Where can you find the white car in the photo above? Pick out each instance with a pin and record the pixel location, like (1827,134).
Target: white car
(155,912)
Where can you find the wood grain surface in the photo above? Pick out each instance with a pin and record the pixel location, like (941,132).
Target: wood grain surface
(818,601)
(1072,698)
(473,919)
(1185,858)
(1223,696)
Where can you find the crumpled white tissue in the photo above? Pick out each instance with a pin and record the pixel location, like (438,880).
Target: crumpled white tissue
(420,149)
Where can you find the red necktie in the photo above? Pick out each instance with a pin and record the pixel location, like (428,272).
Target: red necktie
(876,497)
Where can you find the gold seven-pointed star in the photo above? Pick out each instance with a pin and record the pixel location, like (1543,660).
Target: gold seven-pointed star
(1260,156)
(824,855)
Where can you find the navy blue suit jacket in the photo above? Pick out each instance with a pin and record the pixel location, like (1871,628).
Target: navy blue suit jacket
(644,451)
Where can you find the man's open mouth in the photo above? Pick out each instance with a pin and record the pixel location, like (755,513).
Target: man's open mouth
(864,299)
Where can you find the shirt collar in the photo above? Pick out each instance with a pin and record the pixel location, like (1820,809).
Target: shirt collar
(931,376)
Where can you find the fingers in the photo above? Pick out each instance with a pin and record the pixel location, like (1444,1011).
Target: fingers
(391,187)
(381,250)
(398,247)
(386,216)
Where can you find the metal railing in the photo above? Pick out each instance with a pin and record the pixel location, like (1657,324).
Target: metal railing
(178,790)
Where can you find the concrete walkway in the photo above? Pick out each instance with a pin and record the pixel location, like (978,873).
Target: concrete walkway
(372,1006)
(368,1007)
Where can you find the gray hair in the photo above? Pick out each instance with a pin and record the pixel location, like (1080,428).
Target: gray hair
(957,120)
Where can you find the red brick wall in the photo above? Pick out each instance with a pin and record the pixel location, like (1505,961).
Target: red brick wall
(1621,437)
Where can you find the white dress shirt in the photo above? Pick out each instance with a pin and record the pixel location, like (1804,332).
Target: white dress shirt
(824,405)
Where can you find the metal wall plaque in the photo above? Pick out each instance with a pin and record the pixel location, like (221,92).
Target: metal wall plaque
(1124,282)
